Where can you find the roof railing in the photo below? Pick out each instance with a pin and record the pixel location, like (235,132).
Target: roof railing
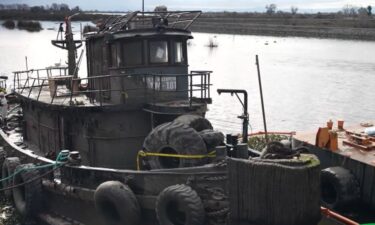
(150,87)
(137,20)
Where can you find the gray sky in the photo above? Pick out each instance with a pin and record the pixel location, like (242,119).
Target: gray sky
(205,5)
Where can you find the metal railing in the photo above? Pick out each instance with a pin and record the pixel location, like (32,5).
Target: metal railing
(138,20)
(144,88)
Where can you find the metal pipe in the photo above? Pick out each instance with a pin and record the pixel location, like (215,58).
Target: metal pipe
(245,116)
(261,98)
(338,217)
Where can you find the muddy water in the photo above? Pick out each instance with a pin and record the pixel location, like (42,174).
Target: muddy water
(306,81)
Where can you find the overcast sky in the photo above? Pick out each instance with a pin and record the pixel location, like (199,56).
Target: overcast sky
(205,5)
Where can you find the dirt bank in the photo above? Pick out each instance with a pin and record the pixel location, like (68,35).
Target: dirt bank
(326,26)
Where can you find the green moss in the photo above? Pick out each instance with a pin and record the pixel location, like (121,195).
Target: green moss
(258,142)
(310,159)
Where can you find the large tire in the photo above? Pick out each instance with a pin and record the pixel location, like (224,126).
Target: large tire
(174,138)
(196,122)
(3,156)
(179,205)
(8,168)
(212,138)
(117,203)
(339,188)
(27,198)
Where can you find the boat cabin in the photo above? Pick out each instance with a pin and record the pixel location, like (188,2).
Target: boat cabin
(137,78)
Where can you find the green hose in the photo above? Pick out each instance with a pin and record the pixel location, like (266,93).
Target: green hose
(61,158)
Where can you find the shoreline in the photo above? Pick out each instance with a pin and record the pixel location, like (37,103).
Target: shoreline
(330,26)
(287,25)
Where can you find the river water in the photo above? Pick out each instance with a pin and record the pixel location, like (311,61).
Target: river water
(306,81)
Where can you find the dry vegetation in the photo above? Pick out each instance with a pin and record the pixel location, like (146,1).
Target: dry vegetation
(333,25)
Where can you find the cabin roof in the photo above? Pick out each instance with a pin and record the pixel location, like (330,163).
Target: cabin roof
(150,32)
(174,23)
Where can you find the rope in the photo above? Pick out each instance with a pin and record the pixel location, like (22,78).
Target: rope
(60,160)
(33,179)
(145,154)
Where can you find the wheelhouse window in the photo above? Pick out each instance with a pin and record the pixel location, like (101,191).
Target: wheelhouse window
(178,52)
(119,58)
(133,53)
(158,52)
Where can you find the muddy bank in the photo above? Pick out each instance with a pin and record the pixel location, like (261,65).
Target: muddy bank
(344,28)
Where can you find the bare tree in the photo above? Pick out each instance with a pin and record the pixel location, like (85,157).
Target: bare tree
(294,10)
(362,11)
(349,10)
(271,9)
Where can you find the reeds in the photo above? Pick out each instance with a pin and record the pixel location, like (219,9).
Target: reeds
(10,24)
(29,25)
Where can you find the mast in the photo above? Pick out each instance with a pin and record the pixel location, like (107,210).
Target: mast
(71,47)
(68,44)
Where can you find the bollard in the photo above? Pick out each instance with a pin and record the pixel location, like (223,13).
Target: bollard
(221,153)
(242,151)
(74,158)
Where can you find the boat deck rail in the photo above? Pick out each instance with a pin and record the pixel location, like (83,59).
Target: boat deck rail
(140,20)
(45,85)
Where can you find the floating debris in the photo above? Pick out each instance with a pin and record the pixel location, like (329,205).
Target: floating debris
(212,42)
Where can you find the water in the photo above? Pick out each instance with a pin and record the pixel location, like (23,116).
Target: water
(306,81)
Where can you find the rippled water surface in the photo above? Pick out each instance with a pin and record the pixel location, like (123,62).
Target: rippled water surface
(306,81)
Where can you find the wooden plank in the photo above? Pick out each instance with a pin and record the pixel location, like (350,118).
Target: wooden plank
(363,147)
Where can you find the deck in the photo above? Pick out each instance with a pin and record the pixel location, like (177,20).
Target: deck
(365,156)
(62,97)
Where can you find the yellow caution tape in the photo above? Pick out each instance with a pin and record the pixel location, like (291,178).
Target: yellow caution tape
(145,154)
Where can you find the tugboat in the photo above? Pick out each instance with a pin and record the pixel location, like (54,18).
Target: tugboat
(129,144)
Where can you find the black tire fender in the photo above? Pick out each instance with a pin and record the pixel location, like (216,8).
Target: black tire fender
(9,166)
(117,203)
(339,188)
(196,122)
(174,138)
(212,138)
(179,205)
(27,198)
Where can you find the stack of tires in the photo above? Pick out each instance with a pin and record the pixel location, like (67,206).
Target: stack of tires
(186,135)
(177,204)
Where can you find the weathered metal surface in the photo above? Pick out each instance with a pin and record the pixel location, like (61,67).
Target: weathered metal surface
(359,162)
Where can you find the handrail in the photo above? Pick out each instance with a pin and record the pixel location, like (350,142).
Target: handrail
(99,87)
(338,217)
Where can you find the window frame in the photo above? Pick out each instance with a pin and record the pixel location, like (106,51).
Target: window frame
(183,49)
(149,52)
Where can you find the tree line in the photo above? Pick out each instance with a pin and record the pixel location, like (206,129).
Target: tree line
(347,10)
(54,7)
